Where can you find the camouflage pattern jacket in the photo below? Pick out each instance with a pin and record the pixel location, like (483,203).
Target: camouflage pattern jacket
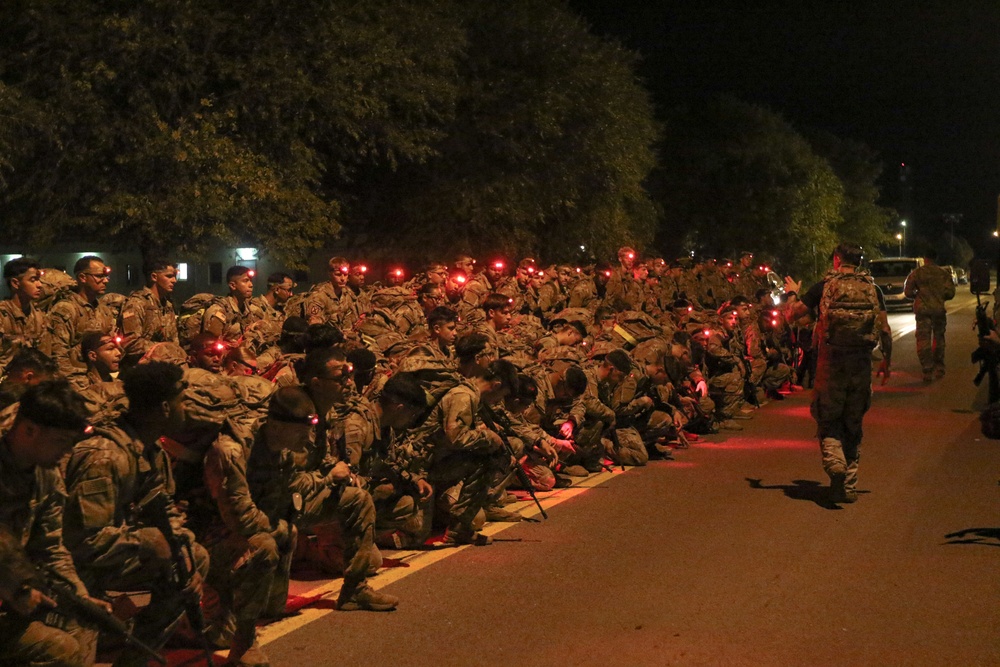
(19,329)
(146,321)
(69,320)
(31,523)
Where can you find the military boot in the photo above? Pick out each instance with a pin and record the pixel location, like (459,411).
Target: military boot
(364,597)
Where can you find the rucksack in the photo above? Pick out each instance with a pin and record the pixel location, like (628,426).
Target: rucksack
(849,311)
(192,311)
(634,327)
(55,286)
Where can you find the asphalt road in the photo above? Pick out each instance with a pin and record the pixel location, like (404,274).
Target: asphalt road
(730,555)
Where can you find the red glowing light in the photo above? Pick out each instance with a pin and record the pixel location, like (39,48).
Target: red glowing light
(498,266)
(219,347)
(118,340)
(631,255)
(774,313)
(345,269)
(251,273)
(578,269)
(363,269)
(607,274)
(707,332)
(510,300)
(460,280)
(398,273)
(774,323)
(107,270)
(313,419)
(88,429)
(531,269)
(690,309)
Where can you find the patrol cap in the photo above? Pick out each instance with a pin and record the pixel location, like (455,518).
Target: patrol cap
(620,360)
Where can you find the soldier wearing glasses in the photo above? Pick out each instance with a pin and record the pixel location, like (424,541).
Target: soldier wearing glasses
(272,302)
(78,314)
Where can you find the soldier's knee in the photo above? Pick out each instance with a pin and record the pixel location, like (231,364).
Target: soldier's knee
(44,646)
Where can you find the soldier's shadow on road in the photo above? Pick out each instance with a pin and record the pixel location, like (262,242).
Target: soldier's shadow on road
(989,537)
(800,489)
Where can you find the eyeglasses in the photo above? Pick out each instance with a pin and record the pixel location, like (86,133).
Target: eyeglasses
(99,277)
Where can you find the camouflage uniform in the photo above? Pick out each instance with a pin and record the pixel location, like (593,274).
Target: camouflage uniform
(225,319)
(274,476)
(476,291)
(402,519)
(107,477)
(842,396)
(69,320)
(930,286)
(145,322)
(267,311)
(724,358)
(31,517)
(250,556)
(322,305)
(19,330)
(583,294)
(452,446)
(767,373)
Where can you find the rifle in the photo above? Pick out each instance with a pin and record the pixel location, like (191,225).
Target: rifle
(491,419)
(54,584)
(154,509)
(62,590)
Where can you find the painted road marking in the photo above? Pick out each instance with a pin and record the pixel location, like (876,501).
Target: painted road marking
(418,560)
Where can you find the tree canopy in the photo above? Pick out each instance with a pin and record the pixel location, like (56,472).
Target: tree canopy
(176,125)
(737,177)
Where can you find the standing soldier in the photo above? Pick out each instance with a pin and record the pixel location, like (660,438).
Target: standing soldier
(79,313)
(148,316)
(49,421)
(21,324)
(845,335)
(930,286)
(229,317)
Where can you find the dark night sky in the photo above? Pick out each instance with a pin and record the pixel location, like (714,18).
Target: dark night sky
(918,82)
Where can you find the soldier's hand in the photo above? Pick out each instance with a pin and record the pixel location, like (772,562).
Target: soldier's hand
(424,489)
(103,604)
(548,451)
(495,439)
(340,472)
(792,286)
(701,387)
(29,600)
(566,430)
(564,445)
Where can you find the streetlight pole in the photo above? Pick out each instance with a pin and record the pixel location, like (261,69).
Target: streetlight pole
(899,238)
(902,237)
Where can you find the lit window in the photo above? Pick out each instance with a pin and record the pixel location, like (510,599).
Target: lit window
(246,254)
(182,271)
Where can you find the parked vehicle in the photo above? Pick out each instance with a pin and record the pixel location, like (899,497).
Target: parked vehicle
(890,275)
(962,276)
